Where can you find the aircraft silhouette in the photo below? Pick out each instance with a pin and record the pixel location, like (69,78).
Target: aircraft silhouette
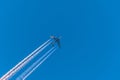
(56,40)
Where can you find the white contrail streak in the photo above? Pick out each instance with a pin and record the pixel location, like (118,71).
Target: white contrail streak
(25,60)
(37,64)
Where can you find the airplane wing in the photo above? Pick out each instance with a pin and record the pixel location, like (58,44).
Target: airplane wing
(59,44)
(56,40)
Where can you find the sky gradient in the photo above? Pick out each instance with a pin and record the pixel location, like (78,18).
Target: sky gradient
(90,31)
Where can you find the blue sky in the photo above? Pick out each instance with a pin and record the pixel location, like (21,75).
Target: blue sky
(90,32)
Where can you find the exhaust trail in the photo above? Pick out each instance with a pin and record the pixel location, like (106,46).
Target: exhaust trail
(37,64)
(25,60)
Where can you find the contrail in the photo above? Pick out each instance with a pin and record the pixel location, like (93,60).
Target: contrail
(25,60)
(37,64)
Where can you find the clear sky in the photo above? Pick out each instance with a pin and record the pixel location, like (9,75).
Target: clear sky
(90,31)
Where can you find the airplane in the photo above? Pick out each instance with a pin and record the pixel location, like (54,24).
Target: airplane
(56,40)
